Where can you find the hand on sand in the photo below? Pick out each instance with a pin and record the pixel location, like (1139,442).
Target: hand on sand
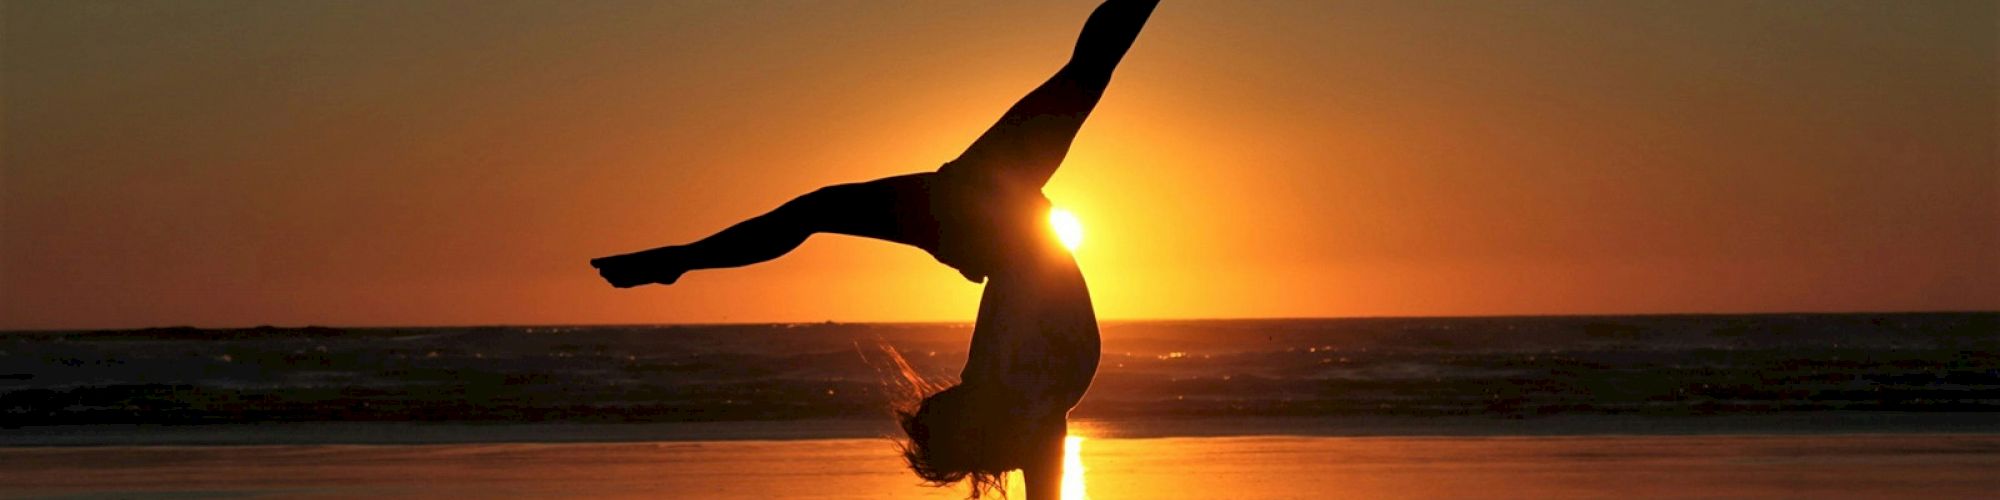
(630,270)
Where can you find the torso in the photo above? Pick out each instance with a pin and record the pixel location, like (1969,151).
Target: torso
(1037,332)
(1037,336)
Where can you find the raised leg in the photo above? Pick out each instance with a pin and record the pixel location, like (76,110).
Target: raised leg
(1029,142)
(870,209)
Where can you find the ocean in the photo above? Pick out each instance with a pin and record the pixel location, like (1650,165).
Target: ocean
(1366,376)
(1710,406)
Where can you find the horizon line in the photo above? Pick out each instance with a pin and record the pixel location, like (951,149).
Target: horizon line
(970,322)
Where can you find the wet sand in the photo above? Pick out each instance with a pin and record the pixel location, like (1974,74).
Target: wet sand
(1796,466)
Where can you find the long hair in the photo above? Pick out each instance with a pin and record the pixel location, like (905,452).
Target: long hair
(947,444)
(945,440)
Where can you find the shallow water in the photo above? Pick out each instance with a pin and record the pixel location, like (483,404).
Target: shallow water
(1820,466)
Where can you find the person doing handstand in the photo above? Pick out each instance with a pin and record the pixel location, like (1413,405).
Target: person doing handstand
(1035,344)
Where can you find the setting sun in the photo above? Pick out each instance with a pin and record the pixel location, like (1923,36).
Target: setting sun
(1067,227)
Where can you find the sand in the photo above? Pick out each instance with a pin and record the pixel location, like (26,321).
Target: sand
(1808,466)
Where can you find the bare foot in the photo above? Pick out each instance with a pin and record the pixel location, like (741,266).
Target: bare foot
(635,269)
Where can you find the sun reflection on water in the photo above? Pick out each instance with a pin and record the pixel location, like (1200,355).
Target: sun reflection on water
(1072,481)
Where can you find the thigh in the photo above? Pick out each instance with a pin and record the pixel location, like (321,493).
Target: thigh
(892,209)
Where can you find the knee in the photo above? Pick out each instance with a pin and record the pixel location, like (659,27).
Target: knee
(823,209)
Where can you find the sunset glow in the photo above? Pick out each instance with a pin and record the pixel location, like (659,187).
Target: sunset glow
(421,163)
(1067,228)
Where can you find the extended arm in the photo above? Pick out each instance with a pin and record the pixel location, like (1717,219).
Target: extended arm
(1043,475)
(1030,140)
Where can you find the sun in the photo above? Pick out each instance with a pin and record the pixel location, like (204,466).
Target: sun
(1068,229)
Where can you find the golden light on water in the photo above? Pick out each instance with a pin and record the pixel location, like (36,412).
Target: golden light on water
(1068,229)
(1072,481)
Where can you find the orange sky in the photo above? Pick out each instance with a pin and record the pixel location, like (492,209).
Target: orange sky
(418,163)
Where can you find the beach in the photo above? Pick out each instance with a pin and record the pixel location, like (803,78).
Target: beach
(1700,466)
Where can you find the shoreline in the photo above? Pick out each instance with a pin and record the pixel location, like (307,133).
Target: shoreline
(439,433)
(1663,466)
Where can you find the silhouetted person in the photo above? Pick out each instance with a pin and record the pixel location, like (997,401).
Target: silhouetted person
(1035,345)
